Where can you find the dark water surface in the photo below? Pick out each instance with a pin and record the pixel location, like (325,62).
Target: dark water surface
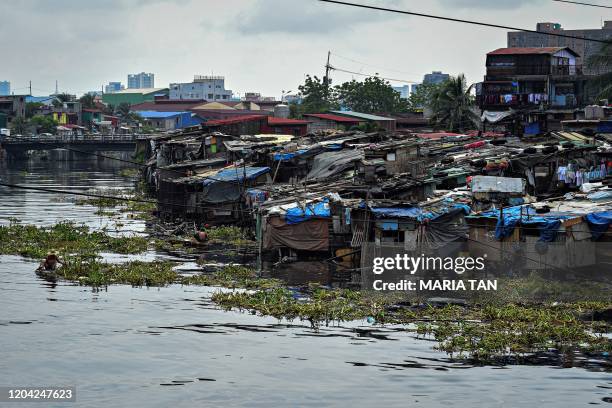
(138,347)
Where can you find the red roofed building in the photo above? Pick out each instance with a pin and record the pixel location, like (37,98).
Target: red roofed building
(257,124)
(165,105)
(237,125)
(283,126)
(325,121)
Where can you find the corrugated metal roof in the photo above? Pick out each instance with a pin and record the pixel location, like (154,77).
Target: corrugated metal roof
(529,50)
(281,121)
(144,91)
(335,118)
(165,106)
(365,116)
(159,115)
(234,120)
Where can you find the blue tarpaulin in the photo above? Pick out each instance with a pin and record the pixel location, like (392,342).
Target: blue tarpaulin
(394,212)
(257,195)
(416,212)
(236,174)
(513,216)
(296,215)
(288,156)
(599,222)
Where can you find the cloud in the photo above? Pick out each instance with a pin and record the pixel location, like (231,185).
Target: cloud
(488,4)
(307,17)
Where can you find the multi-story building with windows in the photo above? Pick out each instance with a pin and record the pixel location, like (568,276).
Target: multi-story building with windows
(203,87)
(583,48)
(141,80)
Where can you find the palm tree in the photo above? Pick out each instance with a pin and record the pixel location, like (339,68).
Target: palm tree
(601,62)
(87,101)
(452,104)
(60,99)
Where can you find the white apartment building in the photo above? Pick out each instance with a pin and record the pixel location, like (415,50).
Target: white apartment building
(207,87)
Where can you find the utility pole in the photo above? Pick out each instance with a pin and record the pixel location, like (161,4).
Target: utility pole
(326,78)
(30,88)
(56,92)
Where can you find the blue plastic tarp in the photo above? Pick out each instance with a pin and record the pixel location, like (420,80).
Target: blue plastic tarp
(236,174)
(396,212)
(257,194)
(288,156)
(524,215)
(296,215)
(599,222)
(417,212)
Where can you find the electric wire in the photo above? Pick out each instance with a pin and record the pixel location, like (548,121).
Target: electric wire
(458,20)
(583,4)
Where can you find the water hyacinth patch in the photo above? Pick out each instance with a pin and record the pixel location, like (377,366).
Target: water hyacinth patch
(484,333)
(66,238)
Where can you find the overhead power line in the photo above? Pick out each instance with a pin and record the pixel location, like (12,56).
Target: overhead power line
(371,65)
(458,20)
(583,4)
(370,75)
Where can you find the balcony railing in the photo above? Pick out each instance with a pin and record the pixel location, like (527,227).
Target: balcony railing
(525,100)
(514,70)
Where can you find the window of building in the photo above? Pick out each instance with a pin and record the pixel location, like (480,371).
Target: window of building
(210,96)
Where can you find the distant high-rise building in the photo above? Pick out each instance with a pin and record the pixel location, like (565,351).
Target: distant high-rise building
(113,87)
(403,90)
(142,80)
(5,88)
(519,39)
(414,87)
(436,77)
(210,88)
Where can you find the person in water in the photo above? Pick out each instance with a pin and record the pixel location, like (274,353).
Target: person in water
(202,236)
(51,262)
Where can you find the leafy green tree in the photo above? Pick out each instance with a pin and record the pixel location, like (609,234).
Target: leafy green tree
(31,108)
(295,110)
(316,96)
(19,125)
(421,96)
(451,104)
(44,124)
(59,100)
(370,96)
(87,101)
(601,62)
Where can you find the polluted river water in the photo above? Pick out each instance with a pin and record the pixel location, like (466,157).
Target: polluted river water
(171,346)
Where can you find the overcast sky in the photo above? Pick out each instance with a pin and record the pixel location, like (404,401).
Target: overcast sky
(258,45)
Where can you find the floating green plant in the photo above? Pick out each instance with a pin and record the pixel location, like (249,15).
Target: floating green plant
(480,332)
(228,234)
(88,271)
(232,276)
(67,238)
